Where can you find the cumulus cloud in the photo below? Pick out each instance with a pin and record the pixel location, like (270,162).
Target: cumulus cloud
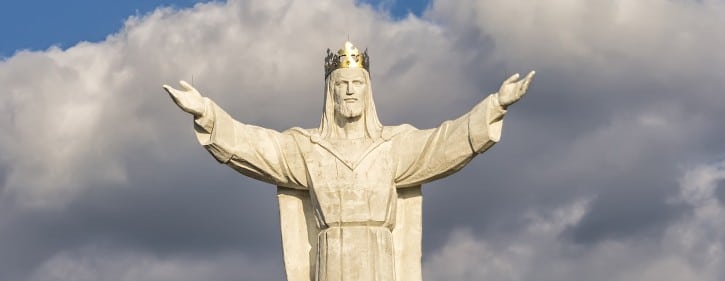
(92,263)
(75,112)
(690,249)
(618,104)
(94,153)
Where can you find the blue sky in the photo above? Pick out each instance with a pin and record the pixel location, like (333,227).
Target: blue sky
(37,25)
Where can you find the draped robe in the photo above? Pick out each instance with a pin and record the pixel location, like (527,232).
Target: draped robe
(342,216)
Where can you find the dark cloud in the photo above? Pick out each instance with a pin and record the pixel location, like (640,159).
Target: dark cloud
(4,171)
(627,213)
(166,209)
(720,191)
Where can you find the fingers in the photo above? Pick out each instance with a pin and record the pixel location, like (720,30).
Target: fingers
(511,79)
(530,75)
(189,100)
(186,86)
(168,89)
(172,93)
(527,81)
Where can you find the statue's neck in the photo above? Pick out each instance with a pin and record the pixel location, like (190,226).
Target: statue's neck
(349,128)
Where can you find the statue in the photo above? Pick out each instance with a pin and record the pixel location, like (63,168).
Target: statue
(350,191)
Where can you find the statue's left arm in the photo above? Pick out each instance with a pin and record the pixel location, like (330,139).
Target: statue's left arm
(426,155)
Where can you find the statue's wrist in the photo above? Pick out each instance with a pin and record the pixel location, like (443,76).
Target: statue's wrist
(497,100)
(202,109)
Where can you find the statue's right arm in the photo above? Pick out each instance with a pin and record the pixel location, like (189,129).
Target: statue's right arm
(259,153)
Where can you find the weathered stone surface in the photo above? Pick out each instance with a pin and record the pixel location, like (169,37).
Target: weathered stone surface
(349,191)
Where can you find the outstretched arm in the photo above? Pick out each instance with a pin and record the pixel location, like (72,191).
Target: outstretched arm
(256,152)
(426,155)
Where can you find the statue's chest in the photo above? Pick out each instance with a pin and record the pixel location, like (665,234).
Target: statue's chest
(349,151)
(349,191)
(353,165)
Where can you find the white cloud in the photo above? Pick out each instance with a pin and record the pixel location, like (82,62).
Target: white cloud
(96,263)
(75,114)
(465,257)
(691,249)
(669,37)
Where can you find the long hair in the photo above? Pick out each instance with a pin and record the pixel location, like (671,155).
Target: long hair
(373,127)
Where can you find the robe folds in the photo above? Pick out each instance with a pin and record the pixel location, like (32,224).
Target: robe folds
(350,216)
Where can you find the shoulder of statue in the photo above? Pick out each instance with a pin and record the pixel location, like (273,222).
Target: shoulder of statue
(302,133)
(389,132)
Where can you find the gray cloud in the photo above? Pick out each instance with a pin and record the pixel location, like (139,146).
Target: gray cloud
(597,170)
(688,248)
(720,192)
(93,263)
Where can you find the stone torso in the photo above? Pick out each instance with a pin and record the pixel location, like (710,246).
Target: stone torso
(354,216)
(353,192)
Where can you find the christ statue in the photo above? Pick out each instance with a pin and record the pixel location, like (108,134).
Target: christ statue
(349,191)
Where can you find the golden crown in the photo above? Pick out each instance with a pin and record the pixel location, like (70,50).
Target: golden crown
(347,57)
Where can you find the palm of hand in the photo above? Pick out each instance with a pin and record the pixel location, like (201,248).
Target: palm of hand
(188,99)
(512,90)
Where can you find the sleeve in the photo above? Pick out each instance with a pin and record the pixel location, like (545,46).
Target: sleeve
(427,155)
(259,153)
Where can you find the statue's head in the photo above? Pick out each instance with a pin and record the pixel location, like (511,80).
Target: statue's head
(348,93)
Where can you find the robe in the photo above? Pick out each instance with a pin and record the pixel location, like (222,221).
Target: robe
(349,206)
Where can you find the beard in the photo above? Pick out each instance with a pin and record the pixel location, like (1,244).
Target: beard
(349,110)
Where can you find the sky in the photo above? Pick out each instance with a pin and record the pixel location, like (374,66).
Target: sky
(612,167)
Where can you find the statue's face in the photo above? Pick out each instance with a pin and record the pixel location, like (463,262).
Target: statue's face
(349,88)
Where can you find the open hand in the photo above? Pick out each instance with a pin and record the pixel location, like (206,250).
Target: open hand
(512,90)
(188,99)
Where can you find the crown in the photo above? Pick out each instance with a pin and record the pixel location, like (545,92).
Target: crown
(347,57)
